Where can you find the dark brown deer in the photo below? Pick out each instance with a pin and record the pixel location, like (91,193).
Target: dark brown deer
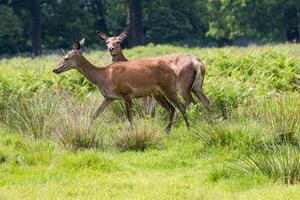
(127,80)
(189,69)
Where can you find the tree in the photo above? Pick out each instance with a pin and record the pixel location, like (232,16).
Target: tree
(265,20)
(98,10)
(36,33)
(135,16)
(66,21)
(10,32)
(291,19)
(33,7)
(176,21)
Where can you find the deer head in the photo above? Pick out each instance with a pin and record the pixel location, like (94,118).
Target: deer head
(113,44)
(70,59)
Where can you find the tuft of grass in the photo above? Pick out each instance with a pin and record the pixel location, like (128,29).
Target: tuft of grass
(225,134)
(138,138)
(33,116)
(75,130)
(276,162)
(280,116)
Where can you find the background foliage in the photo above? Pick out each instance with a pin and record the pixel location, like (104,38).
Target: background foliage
(190,22)
(246,147)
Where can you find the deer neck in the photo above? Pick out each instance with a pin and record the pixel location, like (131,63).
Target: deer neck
(91,72)
(118,57)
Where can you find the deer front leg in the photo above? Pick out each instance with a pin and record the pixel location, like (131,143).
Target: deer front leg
(128,105)
(101,108)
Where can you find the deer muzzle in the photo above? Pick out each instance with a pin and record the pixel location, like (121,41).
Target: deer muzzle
(56,71)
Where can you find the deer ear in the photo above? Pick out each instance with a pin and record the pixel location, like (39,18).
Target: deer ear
(78,44)
(123,35)
(81,42)
(102,36)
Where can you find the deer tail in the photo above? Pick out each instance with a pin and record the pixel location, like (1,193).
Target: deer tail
(200,73)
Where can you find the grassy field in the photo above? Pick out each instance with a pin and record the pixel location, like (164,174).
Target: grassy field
(248,148)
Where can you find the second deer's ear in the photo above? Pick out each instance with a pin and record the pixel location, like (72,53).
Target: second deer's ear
(123,35)
(81,42)
(102,36)
(78,44)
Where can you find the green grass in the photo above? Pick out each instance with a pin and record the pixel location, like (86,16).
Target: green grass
(49,150)
(181,170)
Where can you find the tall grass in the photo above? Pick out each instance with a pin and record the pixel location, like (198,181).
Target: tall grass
(225,133)
(32,115)
(279,115)
(139,137)
(75,129)
(276,162)
(56,116)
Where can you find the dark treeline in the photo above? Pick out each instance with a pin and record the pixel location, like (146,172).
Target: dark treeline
(33,25)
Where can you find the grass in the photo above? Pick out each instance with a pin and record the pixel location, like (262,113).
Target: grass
(50,150)
(278,162)
(180,170)
(138,138)
(75,130)
(280,115)
(33,116)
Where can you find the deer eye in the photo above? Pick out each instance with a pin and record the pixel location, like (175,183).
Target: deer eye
(66,58)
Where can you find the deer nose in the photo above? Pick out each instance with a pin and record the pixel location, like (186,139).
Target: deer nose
(55,71)
(111,48)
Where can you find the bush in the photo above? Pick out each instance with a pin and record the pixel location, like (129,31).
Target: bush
(276,162)
(33,116)
(75,129)
(11,31)
(280,115)
(221,134)
(138,138)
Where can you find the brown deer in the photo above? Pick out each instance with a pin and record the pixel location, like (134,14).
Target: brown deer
(127,80)
(189,69)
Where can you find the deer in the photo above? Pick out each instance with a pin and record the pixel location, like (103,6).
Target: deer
(189,69)
(127,80)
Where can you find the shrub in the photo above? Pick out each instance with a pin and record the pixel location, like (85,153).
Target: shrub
(138,138)
(221,134)
(33,116)
(276,162)
(75,131)
(280,115)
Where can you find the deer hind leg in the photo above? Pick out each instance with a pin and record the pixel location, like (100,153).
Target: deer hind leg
(187,95)
(101,108)
(169,108)
(129,108)
(175,100)
(201,96)
(184,85)
(198,91)
(149,106)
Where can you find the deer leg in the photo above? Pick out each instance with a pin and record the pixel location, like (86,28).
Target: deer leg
(198,91)
(129,109)
(204,100)
(175,100)
(153,103)
(169,108)
(187,96)
(149,106)
(184,85)
(101,108)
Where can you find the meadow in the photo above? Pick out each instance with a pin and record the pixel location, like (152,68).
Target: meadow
(248,147)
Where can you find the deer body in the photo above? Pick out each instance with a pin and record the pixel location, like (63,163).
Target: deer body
(127,80)
(136,79)
(189,69)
